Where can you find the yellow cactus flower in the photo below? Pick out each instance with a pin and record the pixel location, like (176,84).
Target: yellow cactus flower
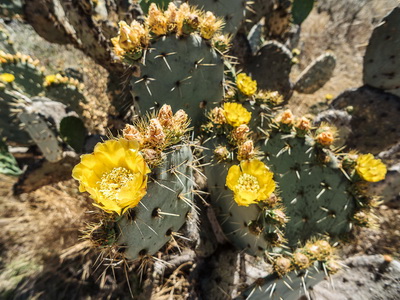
(251,181)
(49,79)
(7,77)
(370,169)
(246,85)
(236,114)
(328,97)
(114,175)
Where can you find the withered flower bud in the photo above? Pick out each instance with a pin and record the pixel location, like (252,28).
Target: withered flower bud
(246,150)
(165,116)
(131,133)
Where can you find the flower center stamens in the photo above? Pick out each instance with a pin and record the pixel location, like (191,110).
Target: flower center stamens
(113,181)
(248,183)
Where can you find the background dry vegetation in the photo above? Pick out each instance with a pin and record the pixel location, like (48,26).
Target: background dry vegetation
(41,254)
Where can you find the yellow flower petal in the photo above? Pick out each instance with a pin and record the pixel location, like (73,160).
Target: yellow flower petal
(250,182)
(370,169)
(232,177)
(236,114)
(114,175)
(246,85)
(7,77)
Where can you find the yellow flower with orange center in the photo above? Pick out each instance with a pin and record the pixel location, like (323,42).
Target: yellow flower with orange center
(114,175)
(246,85)
(370,169)
(251,181)
(236,114)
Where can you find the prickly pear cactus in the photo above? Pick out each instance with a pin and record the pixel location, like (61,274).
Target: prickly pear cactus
(381,62)
(177,59)
(165,208)
(301,9)
(370,108)
(292,287)
(271,67)
(145,4)
(316,74)
(73,132)
(8,164)
(28,77)
(9,123)
(305,175)
(42,134)
(164,201)
(279,190)
(190,75)
(65,90)
(25,110)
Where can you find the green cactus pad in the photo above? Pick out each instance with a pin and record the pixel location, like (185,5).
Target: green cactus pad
(382,57)
(8,164)
(301,9)
(316,195)
(42,134)
(271,67)
(234,219)
(232,11)
(73,132)
(274,287)
(191,77)
(9,124)
(28,78)
(147,227)
(374,122)
(316,74)
(68,94)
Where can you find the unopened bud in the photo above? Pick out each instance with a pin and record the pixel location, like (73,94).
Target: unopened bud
(325,138)
(240,133)
(286,118)
(303,124)
(131,133)
(246,150)
(221,153)
(155,135)
(217,116)
(301,260)
(282,266)
(165,116)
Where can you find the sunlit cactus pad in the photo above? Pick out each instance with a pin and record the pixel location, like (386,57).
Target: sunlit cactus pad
(178,55)
(319,193)
(162,212)
(182,72)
